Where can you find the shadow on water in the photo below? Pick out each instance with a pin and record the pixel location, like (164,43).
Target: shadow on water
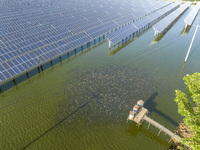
(151,106)
(133,130)
(61,121)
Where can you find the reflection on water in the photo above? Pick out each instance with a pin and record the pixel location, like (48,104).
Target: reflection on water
(185,30)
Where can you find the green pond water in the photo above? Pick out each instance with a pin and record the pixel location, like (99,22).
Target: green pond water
(83,102)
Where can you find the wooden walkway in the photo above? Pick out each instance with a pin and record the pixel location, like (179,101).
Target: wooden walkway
(141,115)
(162,128)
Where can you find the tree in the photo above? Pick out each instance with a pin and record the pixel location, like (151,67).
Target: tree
(189,107)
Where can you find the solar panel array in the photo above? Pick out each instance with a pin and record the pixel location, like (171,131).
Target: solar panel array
(124,32)
(160,26)
(143,22)
(191,16)
(34,31)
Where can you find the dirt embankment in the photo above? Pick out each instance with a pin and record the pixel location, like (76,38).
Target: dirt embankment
(184,132)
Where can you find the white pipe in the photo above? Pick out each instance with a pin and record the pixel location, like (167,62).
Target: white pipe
(191,43)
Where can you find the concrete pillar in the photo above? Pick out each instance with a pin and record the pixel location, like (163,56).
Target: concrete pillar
(81,47)
(27,75)
(41,67)
(14,81)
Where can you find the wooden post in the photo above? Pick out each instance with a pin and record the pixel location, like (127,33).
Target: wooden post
(170,140)
(138,125)
(148,126)
(159,132)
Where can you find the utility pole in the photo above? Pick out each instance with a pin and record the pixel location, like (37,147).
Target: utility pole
(191,43)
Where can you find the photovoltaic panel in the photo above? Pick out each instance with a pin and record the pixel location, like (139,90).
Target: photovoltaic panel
(17,65)
(99,30)
(33,32)
(142,22)
(120,34)
(191,16)
(125,19)
(165,22)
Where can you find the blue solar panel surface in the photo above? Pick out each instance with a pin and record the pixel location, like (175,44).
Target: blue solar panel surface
(32,32)
(118,35)
(191,16)
(141,23)
(165,22)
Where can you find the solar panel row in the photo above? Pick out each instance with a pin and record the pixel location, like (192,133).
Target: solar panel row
(120,34)
(191,16)
(45,29)
(144,22)
(166,22)
(17,65)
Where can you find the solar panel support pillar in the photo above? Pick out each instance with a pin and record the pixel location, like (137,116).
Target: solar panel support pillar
(75,50)
(60,58)
(38,69)
(99,39)
(81,47)
(155,34)
(94,41)
(14,81)
(186,25)
(109,44)
(68,54)
(41,67)
(27,75)
(51,62)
